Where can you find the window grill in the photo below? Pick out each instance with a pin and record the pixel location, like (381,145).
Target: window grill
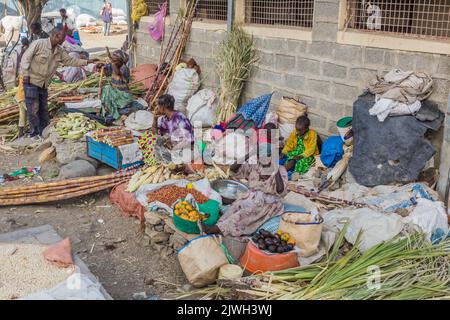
(212,10)
(153,6)
(292,13)
(420,18)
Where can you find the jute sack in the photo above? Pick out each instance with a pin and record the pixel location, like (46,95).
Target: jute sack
(290,109)
(305,228)
(201,259)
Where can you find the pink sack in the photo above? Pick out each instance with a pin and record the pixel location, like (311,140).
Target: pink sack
(156,29)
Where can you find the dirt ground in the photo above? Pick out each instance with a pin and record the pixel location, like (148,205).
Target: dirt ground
(109,243)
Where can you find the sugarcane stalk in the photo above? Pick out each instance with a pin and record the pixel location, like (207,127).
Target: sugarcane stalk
(62,183)
(57,197)
(63,190)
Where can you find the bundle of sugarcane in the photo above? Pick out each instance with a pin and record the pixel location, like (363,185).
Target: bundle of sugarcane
(325,199)
(60,190)
(236,56)
(403,268)
(113,137)
(171,58)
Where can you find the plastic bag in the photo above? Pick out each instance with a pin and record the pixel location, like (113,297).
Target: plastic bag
(305,228)
(428,216)
(201,258)
(202,107)
(184,84)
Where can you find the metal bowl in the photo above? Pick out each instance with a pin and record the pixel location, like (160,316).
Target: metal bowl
(229,190)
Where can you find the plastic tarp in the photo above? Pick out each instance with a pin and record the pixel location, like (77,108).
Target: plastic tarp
(428,216)
(78,286)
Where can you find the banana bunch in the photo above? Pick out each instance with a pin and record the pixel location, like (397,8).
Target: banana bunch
(75,126)
(139,10)
(152,175)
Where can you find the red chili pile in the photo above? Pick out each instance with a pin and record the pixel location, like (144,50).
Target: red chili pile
(169,194)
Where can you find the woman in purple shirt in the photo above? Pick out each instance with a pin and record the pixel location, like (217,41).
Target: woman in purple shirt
(106,14)
(176,135)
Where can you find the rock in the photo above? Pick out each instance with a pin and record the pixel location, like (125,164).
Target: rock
(156,237)
(44,145)
(152,218)
(177,241)
(22,142)
(166,252)
(140,295)
(144,241)
(55,138)
(159,228)
(104,171)
(69,151)
(168,229)
(158,247)
(92,161)
(47,131)
(77,169)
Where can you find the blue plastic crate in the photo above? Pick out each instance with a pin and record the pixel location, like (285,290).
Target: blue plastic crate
(106,154)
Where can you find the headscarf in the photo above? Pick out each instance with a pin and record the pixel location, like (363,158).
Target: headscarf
(121,55)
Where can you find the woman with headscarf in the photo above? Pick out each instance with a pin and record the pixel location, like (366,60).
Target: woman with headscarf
(115,95)
(267,187)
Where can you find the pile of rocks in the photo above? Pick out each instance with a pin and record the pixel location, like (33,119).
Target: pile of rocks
(162,235)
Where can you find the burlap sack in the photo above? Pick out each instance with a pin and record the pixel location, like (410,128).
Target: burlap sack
(201,259)
(305,228)
(289,110)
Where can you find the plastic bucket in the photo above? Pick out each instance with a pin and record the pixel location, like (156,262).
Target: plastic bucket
(255,260)
(344,126)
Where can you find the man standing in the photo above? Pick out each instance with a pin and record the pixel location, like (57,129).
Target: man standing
(37,32)
(39,63)
(66,21)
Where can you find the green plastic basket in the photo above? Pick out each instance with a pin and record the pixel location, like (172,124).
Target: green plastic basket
(210,207)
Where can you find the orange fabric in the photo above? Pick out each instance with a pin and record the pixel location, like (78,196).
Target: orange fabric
(60,254)
(257,261)
(127,202)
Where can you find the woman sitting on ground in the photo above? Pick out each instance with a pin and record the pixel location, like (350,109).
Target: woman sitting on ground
(267,185)
(301,147)
(175,131)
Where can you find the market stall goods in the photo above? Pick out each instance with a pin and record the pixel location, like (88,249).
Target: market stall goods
(61,190)
(75,125)
(113,137)
(151,175)
(185,210)
(169,194)
(280,242)
(24,271)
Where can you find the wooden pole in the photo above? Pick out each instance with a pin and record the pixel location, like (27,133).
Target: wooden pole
(100,83)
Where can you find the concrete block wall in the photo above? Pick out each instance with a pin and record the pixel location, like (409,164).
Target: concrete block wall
(326,75)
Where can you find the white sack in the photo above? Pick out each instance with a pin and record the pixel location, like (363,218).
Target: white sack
(184,84)
(202,107)
(139,120)
(286,130)
(428,216)
(377,227)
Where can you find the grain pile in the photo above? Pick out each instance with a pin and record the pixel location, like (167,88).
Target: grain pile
(23,270)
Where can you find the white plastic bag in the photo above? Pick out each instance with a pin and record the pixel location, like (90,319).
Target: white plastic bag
(428,216)
(376,227)
(184,84)
(202,107)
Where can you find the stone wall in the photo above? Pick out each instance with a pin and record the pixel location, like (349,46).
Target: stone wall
(326,75)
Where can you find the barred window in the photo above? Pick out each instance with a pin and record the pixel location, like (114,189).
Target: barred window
(420,18)
(292,13)
(212,10)
(153,6)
